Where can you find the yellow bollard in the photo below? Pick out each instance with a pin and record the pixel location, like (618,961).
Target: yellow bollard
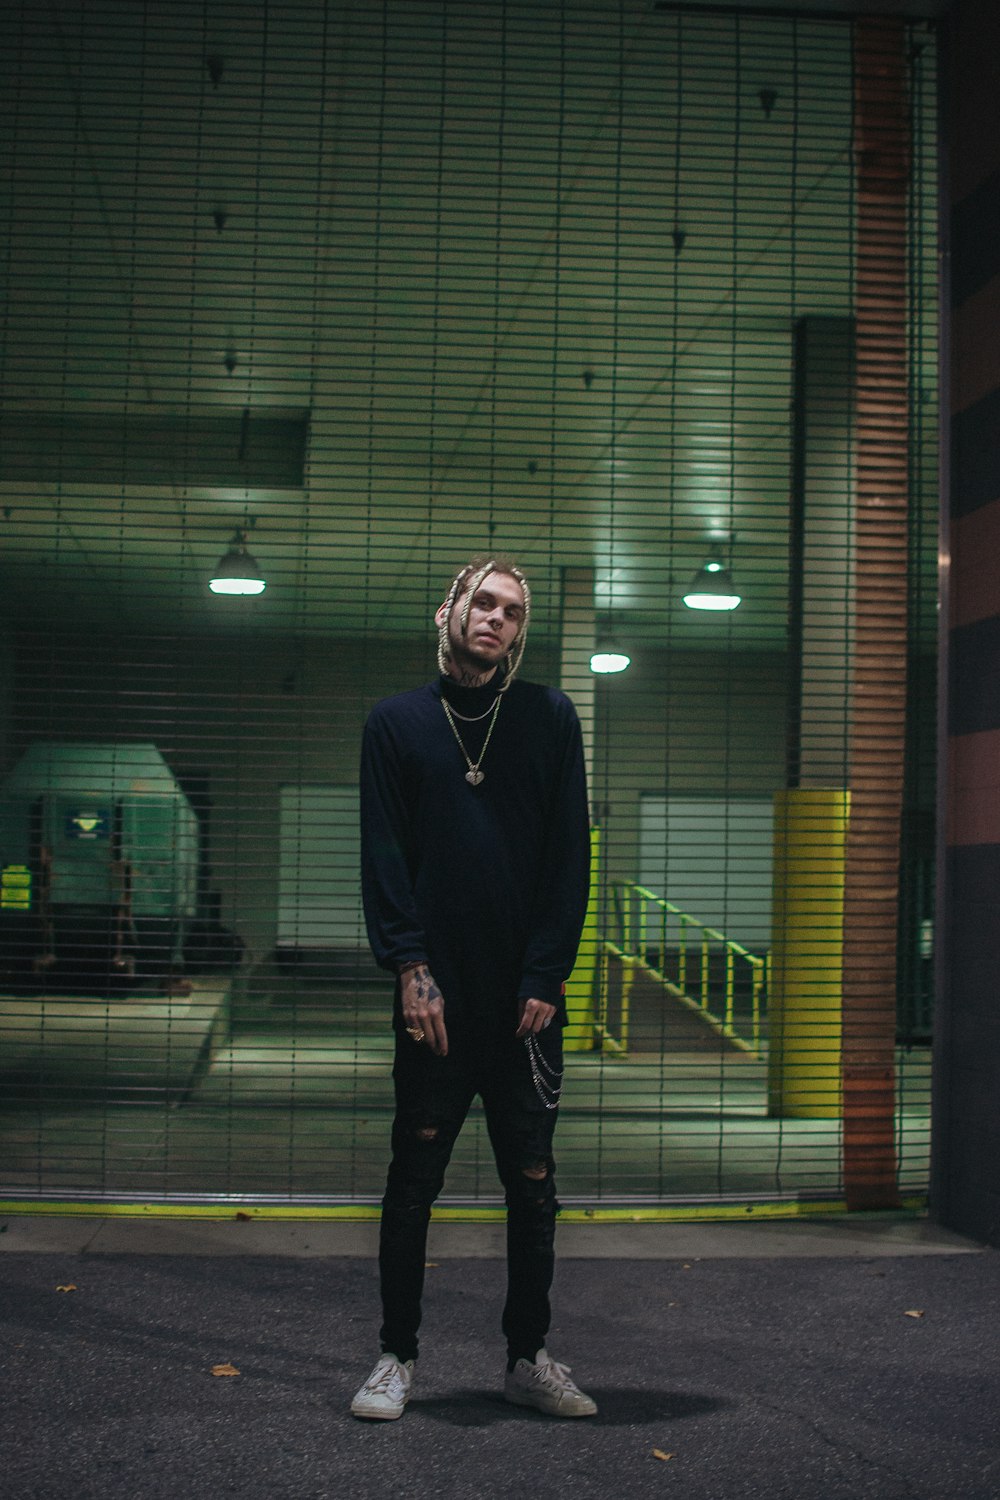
(806,968)
(579,1035)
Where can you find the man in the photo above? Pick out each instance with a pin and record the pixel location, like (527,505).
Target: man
(475,872)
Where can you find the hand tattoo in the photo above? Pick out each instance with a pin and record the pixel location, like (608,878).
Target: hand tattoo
(426,988)
(423,1008)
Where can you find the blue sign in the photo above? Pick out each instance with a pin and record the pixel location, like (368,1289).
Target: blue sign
(88,823)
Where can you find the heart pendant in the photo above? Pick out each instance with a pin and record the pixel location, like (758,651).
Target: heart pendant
(475,776)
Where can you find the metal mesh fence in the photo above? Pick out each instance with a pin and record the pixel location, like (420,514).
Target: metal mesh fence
(343,295)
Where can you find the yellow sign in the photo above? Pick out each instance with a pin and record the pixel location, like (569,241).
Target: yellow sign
(15,888)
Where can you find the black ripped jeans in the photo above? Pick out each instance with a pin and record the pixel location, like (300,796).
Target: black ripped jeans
(433,1097)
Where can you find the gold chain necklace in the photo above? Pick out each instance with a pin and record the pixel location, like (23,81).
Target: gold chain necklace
(473,775)
(472,718)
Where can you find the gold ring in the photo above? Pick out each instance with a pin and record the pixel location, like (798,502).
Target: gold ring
(415,1032)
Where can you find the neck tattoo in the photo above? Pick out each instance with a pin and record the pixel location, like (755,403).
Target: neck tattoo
(473,775)
(467,678)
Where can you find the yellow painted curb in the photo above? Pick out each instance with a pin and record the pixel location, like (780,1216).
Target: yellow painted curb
(361,1212)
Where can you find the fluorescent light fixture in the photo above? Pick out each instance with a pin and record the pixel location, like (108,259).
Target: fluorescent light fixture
(605,662)
(238,572)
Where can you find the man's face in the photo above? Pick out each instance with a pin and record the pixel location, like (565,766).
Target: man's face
(495,616)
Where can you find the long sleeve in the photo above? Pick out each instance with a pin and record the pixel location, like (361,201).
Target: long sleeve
(487,883)
(394,929)
(563,883)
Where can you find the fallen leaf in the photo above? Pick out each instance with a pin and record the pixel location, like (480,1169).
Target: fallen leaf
(914,1312)
(659,1453)
(69,1287)
(224,1370)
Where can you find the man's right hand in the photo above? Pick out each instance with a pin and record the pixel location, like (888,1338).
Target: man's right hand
(423,1009)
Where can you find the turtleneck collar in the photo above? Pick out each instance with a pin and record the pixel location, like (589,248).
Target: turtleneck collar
(471,700)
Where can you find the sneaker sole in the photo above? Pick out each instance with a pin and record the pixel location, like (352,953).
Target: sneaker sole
(546,1411)
(378,1416)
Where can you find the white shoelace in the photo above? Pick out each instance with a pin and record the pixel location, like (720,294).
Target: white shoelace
(556,1376)
(389,1381)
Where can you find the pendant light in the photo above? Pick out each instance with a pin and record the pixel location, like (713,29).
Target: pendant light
(238,572)
(607,660)
(608,656)
(712,587)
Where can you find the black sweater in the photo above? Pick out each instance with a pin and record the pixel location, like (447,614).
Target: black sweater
(486,883)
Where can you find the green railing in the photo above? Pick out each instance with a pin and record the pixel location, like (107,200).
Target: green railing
(676,950)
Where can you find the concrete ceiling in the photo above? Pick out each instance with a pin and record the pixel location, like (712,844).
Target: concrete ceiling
(531,270)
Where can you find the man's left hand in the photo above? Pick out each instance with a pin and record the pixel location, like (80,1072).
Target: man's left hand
(535,1016)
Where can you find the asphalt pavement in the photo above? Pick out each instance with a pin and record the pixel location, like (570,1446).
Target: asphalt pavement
(810,1361)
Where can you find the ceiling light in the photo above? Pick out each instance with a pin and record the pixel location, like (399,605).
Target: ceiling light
(712,588)
(609,657)
(607,661)
(237,572)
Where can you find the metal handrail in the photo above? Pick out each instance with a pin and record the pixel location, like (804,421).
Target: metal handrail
(631,905)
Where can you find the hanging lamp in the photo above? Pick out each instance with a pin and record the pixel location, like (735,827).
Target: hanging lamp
(608,660)
(238,571)
(608,656)
(712,588)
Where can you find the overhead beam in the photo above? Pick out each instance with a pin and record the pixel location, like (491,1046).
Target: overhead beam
(198,445)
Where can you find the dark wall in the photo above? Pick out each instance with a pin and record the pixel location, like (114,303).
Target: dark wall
(965,1190)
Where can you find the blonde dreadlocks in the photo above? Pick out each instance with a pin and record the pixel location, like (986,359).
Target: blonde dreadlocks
(468,582)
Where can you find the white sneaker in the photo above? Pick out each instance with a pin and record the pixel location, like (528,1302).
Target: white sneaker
(547,1387)
(385,1393)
